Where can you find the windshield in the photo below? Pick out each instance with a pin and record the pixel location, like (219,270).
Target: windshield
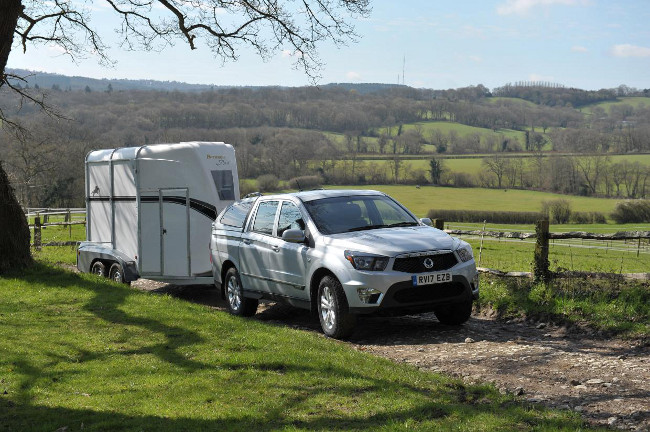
(357,213)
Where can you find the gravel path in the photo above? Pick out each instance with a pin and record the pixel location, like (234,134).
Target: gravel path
(606,380)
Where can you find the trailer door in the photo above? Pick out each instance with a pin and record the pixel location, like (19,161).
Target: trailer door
(165,228)
(175,232)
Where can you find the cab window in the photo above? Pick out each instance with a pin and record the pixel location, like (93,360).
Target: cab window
(265,217)
(236,214)
(290,218)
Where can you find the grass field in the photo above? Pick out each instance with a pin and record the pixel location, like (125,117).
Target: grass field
(420,201)
(517,255)
(473,165)
(636,102)
(83,353)
(494,100)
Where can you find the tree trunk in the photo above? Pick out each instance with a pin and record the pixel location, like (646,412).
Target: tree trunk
(14,231)
(9,11)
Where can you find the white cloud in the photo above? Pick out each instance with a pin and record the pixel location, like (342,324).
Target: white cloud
(538,77)
(522,7)
(289,54)
(353,76)
(56,49)
(579,49)
(475,58)
(627,50)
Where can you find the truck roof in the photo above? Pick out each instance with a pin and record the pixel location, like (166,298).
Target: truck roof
(325,193)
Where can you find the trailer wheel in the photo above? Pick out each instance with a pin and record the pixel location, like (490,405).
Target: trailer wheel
(237,303)
(116,273)
(98,268)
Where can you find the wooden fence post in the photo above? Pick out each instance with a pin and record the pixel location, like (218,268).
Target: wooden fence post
(68,218)
(37,232)
(439,223)
(541,271)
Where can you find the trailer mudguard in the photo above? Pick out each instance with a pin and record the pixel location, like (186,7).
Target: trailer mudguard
(89,252)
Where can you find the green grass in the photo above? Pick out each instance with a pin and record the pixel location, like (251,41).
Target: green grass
(643,159)
(635,102)
(462,130)
(473,165)
(621,308)
(420,201)
(85,353)
(517,255)
(59,254)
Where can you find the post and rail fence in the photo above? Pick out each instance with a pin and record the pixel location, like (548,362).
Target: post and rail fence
(42,220)
(542,235)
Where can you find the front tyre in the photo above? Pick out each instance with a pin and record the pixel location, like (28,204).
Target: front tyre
(333,312)
(237,303)
(454,314)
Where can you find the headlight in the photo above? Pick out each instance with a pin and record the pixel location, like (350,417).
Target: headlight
(365,261)
(465,253)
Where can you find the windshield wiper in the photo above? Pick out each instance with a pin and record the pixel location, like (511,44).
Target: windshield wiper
(401,224)
(366,227)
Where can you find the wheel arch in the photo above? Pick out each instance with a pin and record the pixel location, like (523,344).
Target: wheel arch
(313,285)
(225,266)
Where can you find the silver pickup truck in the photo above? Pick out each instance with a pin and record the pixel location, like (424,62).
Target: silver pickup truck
(340,253)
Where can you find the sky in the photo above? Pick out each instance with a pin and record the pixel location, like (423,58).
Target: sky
(439,44)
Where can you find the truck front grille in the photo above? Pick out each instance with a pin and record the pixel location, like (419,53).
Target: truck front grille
(443,261)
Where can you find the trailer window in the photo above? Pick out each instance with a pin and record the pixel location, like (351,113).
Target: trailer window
(236,214)
(224,183)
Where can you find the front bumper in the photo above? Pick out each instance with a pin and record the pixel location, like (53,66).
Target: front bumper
(398,296)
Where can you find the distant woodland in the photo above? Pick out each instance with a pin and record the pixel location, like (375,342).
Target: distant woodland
(530,135)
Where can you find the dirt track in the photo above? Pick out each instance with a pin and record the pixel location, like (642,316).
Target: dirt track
(606,380)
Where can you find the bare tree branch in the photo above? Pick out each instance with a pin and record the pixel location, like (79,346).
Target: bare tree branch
(225,27)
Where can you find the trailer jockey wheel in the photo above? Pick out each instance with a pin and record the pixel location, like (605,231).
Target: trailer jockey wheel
(116,273)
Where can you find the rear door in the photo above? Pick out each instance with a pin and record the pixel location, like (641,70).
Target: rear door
(257,246)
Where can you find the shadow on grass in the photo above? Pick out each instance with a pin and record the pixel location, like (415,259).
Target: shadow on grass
(39,418)
(438,404)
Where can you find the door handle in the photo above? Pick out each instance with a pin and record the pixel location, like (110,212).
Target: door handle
(276,248)
(246,242)
(164,231)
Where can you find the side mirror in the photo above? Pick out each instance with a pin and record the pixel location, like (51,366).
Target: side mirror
(294,236)
(426,221)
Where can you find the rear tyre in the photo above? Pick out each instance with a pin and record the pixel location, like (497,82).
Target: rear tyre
(333,312)
(454,314)
(116,273)
(237,303)
(98,268)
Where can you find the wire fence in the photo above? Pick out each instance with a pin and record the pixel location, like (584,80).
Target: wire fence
(635,243)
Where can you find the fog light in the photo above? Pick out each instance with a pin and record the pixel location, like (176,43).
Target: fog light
(368,295)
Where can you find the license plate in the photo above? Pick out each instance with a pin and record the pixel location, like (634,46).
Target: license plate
(431,278)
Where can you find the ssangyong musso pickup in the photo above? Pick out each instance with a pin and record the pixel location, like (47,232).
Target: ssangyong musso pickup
(340,253)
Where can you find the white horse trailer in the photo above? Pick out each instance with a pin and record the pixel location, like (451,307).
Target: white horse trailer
(150,209)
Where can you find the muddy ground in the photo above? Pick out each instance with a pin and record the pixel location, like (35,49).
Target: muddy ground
(607,380)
